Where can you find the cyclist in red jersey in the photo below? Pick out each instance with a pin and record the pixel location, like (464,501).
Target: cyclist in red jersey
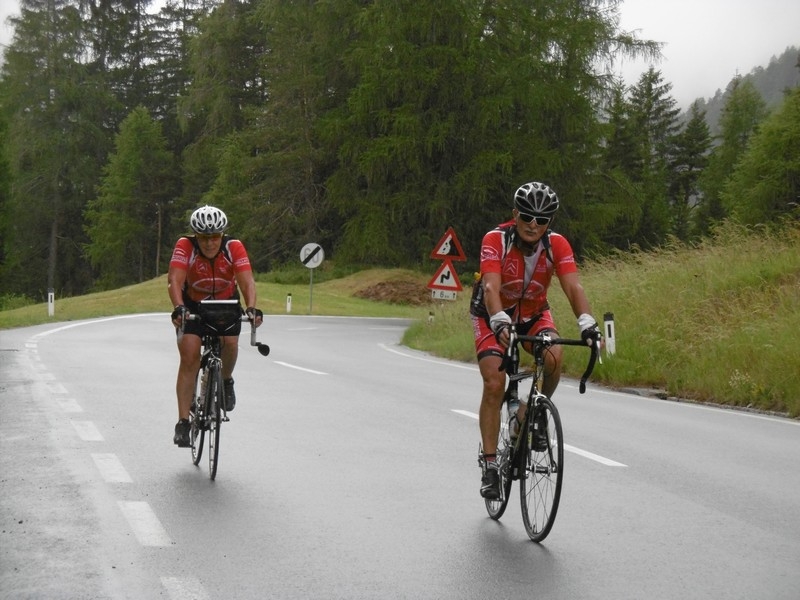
(207,266)
(518,260)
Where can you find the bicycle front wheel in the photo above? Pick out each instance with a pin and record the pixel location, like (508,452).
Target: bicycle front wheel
(543,458)
(197,430)
(497,507)
(214,419)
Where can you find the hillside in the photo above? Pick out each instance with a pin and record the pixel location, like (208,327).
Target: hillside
(771,81)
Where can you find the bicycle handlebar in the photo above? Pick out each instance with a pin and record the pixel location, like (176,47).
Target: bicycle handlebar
(262,348)
(545,340)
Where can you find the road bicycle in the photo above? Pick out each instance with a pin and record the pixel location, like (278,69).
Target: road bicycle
(207,412)
(536,456)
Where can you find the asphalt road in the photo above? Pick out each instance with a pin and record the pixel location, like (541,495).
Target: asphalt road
(348,470)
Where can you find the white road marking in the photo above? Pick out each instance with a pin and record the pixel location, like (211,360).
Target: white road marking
(87,431)
(56,388)
(69,405)
(430,360)
(111,468)
(144,523)
(584,453)
(595,457)
(284,364)
(184,588)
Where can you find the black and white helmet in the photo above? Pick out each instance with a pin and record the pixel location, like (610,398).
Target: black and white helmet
(536,198)
(208,219)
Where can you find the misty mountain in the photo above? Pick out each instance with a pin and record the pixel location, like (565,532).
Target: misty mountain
(772,81)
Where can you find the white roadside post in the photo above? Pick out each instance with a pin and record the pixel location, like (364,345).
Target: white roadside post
(51,302)
(611,342)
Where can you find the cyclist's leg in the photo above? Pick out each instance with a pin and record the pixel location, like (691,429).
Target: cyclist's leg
(189,349)
(230,352)
(491,399)
(489,355)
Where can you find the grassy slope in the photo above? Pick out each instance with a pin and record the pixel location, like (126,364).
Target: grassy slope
(715,323)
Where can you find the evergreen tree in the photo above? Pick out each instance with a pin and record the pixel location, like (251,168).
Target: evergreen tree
(765,185)
(125,219)
(688,162)
(654,120)
(742,113)
(55,103)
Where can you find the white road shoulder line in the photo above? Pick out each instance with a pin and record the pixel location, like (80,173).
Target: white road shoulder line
(87,431)
(430,360)
(584,453)
(69,406)
(144,523)
(284,364)
(111,468)
(184,588)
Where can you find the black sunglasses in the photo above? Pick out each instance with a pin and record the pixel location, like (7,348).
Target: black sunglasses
(530,218)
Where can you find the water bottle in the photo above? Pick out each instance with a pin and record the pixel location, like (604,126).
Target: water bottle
(513,407)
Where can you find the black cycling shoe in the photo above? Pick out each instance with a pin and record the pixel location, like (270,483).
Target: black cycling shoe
(490,483)
(540,432)
(230,395)
(181,438)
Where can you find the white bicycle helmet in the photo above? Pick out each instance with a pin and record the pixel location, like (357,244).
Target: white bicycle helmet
(536,198)
(208,219)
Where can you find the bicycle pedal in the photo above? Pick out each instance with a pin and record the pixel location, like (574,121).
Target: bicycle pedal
(225,419)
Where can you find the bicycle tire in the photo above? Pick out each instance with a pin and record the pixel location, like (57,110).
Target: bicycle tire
(497,507)
(215,418)
(542,473)
(197,430)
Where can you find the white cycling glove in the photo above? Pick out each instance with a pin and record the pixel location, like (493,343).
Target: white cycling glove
(589,329)
(499,320)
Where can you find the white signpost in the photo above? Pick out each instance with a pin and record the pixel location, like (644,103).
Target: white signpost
(311,256)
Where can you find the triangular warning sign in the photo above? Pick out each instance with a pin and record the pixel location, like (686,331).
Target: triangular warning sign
(445,278)
(448,247)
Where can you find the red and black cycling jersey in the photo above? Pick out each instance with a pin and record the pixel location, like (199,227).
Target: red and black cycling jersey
(210,279)
(524,279)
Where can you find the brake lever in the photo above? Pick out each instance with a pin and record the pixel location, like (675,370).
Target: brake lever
(262,348)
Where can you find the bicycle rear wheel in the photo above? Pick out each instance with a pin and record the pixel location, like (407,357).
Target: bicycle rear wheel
(196,424)
(214,418)
(497,507)
(540,481)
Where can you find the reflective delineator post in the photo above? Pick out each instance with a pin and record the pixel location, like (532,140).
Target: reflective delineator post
(289,303)
(611,343)
(51,302)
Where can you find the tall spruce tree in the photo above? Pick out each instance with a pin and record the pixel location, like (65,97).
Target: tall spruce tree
(125,220)
(689,159)
(743,111)
(654,118)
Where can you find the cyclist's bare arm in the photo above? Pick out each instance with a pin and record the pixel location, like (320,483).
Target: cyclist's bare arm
(247,286)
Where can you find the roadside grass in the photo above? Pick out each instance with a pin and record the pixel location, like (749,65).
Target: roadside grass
(716,322)
(331,297)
